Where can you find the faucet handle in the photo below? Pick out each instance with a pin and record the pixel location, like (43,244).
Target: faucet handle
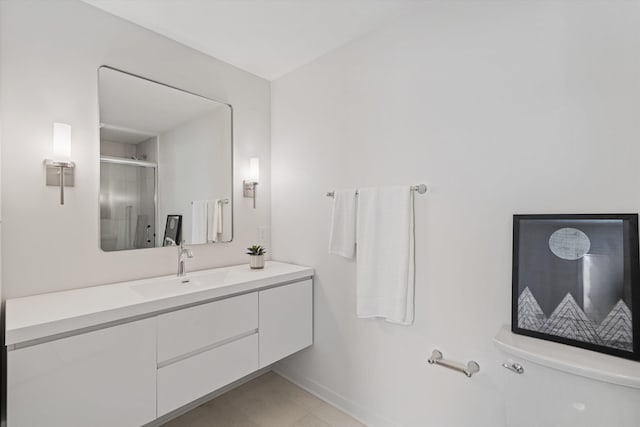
(184,250)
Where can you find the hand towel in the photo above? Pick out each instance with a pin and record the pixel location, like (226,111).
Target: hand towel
(385,264)
(219,216)
(342,235)
(198,222)
(214,220)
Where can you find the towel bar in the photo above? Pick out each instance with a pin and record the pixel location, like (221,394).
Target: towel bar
(469,369)
(223,201)
(420,188)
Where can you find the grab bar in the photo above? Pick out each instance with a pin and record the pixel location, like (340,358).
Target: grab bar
(469,369)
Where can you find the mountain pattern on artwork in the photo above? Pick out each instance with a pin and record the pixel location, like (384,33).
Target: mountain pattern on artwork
(568,320)
(530,315)
(616,329)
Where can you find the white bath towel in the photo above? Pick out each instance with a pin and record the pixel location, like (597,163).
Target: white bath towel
(342,235)
(385,256)
(198,222)
(214,220)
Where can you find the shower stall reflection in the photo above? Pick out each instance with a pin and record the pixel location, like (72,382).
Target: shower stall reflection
(127,204)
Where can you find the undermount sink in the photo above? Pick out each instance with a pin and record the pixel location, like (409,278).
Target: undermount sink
(177,285)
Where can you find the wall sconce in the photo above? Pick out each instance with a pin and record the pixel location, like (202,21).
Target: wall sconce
(249,184)
(59,171)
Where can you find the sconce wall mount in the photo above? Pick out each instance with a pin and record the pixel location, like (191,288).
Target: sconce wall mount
(60,174)
(249,190)
(249,185)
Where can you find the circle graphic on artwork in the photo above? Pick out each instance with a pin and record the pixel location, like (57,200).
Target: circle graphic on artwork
(569,243)
(172,223)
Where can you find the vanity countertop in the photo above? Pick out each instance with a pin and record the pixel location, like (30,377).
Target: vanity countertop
(58,313)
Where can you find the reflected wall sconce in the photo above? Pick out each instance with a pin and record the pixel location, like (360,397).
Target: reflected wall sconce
(59,171)
(249,184)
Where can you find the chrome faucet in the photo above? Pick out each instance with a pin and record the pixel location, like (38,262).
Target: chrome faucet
(182,251)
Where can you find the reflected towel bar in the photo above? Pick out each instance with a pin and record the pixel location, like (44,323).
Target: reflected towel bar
(223,201)
(420,188)
(469,369)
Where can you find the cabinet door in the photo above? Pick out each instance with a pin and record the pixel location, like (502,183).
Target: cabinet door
(101,378)
(286,320)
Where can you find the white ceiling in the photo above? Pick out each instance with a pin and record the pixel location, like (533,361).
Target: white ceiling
(268,38)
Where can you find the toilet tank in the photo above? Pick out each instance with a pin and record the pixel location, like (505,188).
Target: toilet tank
(552,392)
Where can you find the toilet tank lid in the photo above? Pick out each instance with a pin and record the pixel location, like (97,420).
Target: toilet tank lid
(574,360)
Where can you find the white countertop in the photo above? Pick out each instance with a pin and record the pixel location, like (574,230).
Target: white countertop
(40,316)
(577,361)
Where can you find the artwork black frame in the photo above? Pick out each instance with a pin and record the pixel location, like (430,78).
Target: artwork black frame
(523,266)
(175,233)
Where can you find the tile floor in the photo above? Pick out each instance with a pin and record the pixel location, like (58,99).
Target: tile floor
(266,401)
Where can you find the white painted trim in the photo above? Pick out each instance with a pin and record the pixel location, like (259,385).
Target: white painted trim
(360,413)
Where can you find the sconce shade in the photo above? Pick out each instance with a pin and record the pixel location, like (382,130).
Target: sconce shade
(254,169)
(62,142)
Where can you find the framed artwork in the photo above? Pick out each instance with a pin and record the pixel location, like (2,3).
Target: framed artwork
(172,231)
(575,281)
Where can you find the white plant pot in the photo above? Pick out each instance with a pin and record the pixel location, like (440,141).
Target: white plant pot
(256,261)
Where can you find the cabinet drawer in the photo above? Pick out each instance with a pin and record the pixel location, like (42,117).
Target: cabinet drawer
(199,375)
(184,331)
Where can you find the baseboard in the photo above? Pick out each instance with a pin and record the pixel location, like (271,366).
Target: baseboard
(360,413)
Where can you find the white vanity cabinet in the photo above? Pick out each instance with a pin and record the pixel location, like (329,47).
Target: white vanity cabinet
(101,378)
(190,342)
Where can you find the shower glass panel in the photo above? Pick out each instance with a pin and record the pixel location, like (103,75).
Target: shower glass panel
(127,206)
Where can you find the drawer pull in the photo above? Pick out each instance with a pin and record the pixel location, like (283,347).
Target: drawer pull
(206,348)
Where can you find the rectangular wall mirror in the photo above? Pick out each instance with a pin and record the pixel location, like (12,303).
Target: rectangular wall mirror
(166,165)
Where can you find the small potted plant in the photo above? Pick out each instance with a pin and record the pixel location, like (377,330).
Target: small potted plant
(256,256)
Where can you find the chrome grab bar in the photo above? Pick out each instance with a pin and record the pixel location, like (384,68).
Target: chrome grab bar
(469,369)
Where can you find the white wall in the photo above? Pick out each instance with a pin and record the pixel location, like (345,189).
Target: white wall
(117,149)
(50,53)
(501,108)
